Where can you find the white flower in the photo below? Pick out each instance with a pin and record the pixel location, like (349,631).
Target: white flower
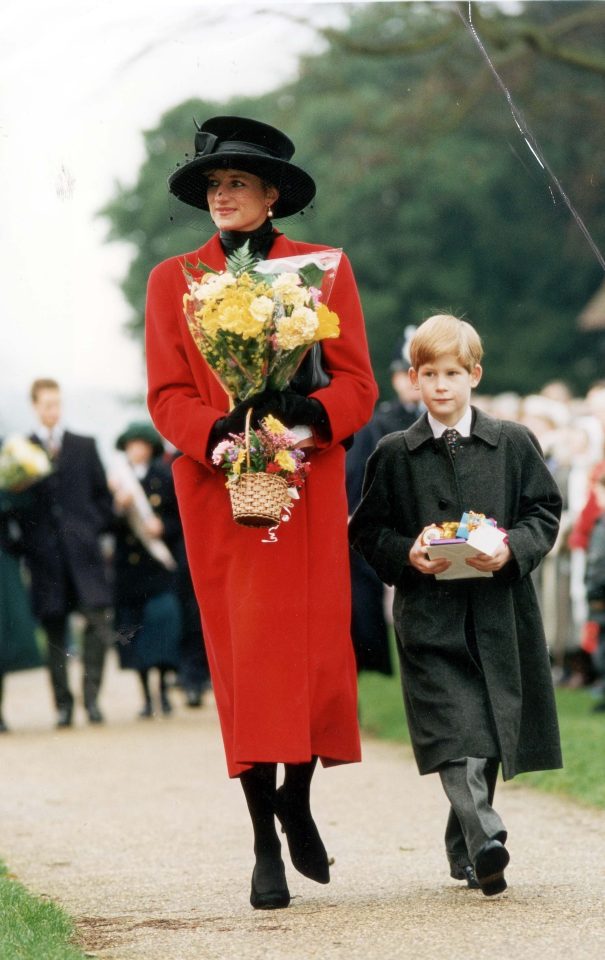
(262,308)
(286,281)
(288,288)
(21,462)
(29,455)
(211,285)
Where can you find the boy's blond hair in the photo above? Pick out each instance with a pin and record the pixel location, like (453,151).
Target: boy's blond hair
(444,334)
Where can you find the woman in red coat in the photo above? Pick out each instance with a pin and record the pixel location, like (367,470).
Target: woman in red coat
(276,616)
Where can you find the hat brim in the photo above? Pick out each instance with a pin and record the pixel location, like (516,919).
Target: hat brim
(152,438)
(296,188)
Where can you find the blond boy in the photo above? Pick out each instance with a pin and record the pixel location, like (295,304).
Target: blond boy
(474,663)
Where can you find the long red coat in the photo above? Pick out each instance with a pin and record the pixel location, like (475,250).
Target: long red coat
(276,616)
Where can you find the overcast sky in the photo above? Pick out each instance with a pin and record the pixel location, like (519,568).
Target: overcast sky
(79,81)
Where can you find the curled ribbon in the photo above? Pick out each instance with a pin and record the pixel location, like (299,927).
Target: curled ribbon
(272,531)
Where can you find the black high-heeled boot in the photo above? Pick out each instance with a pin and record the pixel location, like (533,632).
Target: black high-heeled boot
(269,889)
(292,808)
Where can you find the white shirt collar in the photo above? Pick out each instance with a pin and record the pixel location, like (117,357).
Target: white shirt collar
(44,433)
(463,426)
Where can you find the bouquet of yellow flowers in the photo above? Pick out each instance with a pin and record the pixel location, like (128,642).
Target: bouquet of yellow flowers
(264,471)
(21,464)
(255,321)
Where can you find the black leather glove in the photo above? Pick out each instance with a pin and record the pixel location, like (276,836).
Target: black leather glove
(288,406)
(292,409)
(232,422)
(235,421)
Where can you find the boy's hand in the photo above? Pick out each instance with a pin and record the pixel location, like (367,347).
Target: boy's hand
(419,558)
(484,562)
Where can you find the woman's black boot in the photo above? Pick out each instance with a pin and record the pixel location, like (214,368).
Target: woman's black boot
(292,807)
(269,889)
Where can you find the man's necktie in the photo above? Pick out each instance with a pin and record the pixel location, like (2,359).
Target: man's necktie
(52,445)
(452,438)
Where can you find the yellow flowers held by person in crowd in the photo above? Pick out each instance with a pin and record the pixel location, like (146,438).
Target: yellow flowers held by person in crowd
(22,463)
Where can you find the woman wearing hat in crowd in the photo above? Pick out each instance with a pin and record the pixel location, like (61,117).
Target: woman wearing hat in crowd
(148,542)
(276,617)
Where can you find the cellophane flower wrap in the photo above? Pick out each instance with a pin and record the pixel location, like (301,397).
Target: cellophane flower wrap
(255,321)
(22,463)
(269,448)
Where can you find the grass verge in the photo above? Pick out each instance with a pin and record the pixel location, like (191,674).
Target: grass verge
(582,736)
(32,928)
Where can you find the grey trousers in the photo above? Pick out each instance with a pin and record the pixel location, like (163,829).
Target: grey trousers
(469,784)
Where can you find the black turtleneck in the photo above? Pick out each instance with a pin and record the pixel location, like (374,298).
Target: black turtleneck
(261,239)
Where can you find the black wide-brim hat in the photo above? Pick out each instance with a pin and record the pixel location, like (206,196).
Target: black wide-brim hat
(239,143)
(141,430)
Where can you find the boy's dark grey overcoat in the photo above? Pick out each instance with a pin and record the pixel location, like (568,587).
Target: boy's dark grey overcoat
(500,703)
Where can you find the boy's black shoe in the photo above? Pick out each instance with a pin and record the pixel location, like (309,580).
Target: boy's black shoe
(490,863)
(465,873)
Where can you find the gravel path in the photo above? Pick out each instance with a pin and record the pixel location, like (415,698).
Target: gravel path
(135,829)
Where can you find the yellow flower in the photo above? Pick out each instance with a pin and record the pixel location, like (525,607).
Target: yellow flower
(329,323)
(28,455)
(285,460)
(274,425)
(232,314)
(237,464)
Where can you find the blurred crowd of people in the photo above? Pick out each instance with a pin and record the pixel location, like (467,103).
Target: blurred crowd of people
(93,559)
(106,545)
(571,580)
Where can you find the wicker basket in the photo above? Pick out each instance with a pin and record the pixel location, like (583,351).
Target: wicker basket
(257,499)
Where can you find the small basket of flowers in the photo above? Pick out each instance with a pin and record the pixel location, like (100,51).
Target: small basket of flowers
(264,471)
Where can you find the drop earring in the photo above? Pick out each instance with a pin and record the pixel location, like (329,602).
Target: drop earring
(269,212)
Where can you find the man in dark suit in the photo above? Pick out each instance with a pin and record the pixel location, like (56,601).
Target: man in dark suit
(62,520)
